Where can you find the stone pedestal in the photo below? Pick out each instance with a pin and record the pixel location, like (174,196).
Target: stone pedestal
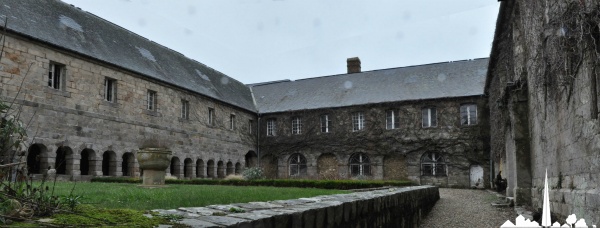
(154,162)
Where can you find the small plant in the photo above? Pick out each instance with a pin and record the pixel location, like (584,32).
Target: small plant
(236,210)
(218,213)
(254,173)
(71,201)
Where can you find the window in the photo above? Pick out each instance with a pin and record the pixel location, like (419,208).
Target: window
(358,121)
(359,165)
(211,116)
(468,114)
(185,109)
(271,128)
(110,89)
(232,122)
(432,164)
(429,117)
(151,97)
(250,123)
(325,123)
(392,119)
(296,126)
(56,73)
(297,165)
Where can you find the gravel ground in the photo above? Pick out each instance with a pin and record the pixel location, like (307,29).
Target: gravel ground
(467,208)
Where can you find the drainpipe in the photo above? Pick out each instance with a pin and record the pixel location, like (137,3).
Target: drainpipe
(258,141)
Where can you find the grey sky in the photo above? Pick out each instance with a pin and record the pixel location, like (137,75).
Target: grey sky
(265,40)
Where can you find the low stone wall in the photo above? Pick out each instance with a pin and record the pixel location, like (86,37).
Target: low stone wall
(394,207)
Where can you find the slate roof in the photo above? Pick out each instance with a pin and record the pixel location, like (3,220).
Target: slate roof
(59,24)
(431,81)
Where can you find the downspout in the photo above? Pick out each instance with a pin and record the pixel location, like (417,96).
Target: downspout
(258,140)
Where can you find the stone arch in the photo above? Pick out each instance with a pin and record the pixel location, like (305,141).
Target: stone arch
(220,169)
(200,168)
(297,165)
(230,169)
(64,160)
(109,163)
(128,164)
(210,169)
(269,165)
(175,167)
(238,168)
(37,158)
(394,167)
(188,168)
(327,166)
(87,163)
(359,165)
(251,159)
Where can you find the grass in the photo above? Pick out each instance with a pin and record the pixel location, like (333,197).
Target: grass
(122,195)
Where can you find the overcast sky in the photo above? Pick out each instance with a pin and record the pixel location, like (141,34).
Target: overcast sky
(266,40)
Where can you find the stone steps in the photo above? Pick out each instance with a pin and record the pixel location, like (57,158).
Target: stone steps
(503,201)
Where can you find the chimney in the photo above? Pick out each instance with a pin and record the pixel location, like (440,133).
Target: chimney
(353,65)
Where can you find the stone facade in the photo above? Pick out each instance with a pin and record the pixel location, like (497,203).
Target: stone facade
(76,130)
(543,99)
(392,153)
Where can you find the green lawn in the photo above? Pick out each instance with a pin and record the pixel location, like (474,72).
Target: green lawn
(120,195)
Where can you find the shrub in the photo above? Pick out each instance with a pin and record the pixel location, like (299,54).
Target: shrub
(254,173)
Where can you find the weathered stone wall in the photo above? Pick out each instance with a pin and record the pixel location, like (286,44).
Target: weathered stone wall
(544,103)
(395,153)
(401,207)
(77,117)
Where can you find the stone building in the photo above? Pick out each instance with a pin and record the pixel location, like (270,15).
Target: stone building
(422,123)
(95,93)
(543,99)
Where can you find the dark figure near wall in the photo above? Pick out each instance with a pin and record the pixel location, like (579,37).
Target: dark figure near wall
(500,183)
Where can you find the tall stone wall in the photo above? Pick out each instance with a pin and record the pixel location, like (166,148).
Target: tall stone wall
(77,117)
(393,153)
(544,103)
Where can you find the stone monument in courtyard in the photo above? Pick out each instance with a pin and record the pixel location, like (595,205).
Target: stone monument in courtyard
(153,162)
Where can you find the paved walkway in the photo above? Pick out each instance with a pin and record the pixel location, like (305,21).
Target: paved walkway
(466,208)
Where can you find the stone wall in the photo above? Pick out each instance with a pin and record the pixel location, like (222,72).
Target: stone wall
(394,207)
(394,153)
(77,118)
(544,102)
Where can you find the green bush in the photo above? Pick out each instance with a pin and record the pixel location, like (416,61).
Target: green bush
(297,183)
(254,173)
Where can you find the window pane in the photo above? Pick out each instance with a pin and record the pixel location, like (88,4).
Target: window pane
(389,120)
(473,114)
(425,117)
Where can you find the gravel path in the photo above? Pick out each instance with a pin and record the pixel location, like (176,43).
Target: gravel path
(466,208)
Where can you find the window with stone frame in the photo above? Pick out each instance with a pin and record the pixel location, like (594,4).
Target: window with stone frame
(151,100)
(468,114)
(296,125)
(185,109)
(358,121)
(110,90)
(56,75)
(271,127)
(429,117)
(433,164)
(232,122)
(359,165)
(211,117)
(250,126)
(297,164)
(392,119)
(325,123)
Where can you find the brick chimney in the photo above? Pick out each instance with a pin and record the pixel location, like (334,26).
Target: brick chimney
(353,65)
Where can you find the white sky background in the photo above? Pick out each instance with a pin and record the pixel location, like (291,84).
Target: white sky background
(266,40)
